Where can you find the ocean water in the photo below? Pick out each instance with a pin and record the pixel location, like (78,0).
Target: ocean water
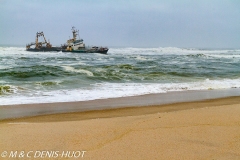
(40,77)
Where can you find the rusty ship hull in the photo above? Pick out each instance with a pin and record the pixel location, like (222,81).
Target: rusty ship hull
(88,50)
(44,49)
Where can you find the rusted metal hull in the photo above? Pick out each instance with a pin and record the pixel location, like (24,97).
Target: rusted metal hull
(44,49)
(88,51)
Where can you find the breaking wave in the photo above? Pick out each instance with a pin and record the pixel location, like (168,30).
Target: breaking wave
(38,77)
(7,89)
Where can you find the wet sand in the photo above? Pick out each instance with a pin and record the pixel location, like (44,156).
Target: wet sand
(28,110)
(208,129)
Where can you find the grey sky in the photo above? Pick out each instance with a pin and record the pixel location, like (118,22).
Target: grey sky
(130,23)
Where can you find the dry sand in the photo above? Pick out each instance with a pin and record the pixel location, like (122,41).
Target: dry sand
(192,130)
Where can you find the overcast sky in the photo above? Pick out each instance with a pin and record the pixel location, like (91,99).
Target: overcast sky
(126,23)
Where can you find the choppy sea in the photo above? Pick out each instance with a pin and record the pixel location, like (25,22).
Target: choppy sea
(40,77)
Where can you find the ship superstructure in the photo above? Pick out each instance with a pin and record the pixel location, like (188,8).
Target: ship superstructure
(77,45)
(41,46)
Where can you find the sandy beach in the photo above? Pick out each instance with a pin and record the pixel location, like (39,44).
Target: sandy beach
(208,129)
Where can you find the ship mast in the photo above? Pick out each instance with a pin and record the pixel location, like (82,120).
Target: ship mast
(40,44)
(75,33)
